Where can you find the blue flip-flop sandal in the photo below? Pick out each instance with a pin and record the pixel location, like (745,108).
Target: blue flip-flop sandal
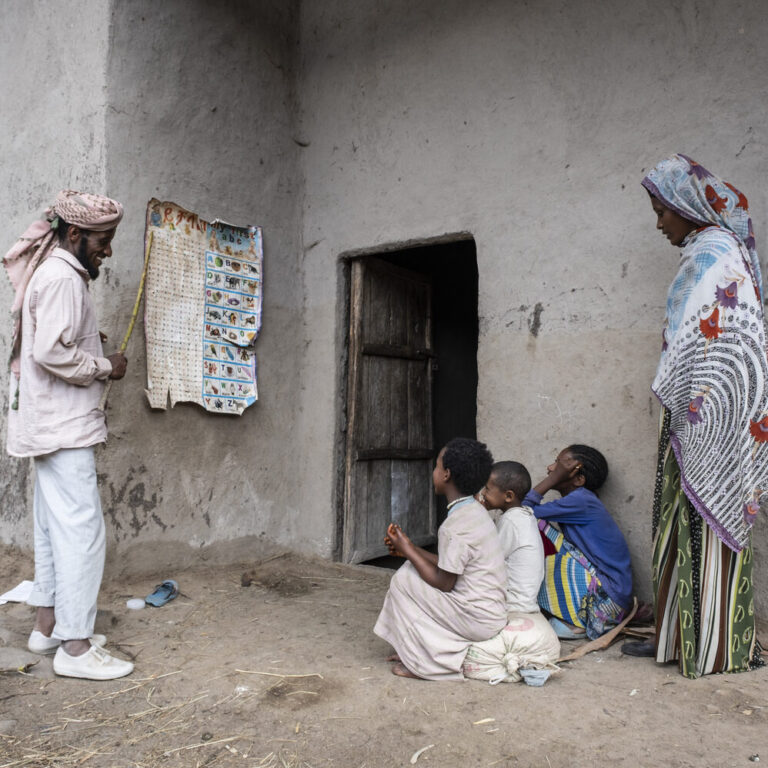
(163,593)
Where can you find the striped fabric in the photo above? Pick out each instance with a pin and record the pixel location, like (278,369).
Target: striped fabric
(571,590)
(705,616)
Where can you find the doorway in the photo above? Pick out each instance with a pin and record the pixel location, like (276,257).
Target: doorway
(411,385)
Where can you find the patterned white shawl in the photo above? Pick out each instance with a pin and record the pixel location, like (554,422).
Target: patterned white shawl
(713,371)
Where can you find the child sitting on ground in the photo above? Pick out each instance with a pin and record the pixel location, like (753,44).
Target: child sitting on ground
(588,582)
(519,533)
(437,605)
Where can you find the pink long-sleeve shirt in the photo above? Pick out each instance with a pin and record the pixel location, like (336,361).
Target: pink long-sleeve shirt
(62,365)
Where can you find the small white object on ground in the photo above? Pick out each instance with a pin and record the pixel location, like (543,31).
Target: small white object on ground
(417,754)
(135,603)
(19,594)
(633,692)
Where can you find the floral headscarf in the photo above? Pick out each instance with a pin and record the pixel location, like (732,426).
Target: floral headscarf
(690,190)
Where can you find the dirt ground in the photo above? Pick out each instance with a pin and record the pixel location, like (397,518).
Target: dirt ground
(286,673)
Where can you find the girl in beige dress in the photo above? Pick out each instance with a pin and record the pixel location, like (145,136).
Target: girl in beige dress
(437,605)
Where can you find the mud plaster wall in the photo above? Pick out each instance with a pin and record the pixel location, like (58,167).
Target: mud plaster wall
(530,125)
(52,137)
(193,102)
(201,112)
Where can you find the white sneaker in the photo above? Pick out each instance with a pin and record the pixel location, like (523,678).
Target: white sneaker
(94,664)
(39,643)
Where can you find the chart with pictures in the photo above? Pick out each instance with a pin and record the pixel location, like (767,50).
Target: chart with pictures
(203,310)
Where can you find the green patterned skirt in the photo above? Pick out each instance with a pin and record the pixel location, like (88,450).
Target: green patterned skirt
(705,613)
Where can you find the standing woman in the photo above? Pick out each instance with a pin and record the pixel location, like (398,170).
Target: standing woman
(712,383)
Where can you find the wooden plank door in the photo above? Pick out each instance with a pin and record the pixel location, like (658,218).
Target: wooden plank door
(389,409)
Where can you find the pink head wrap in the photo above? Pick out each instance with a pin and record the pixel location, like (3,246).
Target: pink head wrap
(89,212)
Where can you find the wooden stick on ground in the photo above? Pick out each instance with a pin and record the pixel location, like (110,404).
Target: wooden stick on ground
(134,314)
(603,641)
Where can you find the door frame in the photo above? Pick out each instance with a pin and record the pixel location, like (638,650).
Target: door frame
(343,285)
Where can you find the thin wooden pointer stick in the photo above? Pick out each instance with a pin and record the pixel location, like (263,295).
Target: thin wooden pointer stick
(134,314)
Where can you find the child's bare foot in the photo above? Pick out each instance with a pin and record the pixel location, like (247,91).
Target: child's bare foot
(401,671)
(393,657)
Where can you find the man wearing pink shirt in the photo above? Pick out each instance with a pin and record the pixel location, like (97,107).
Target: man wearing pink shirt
(58,374)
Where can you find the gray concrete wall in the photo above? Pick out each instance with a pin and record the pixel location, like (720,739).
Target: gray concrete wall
(52,138)
(201,111)
(530,125)
(193,102)
(526,124)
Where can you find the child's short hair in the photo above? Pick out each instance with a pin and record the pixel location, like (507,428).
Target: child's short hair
(512,476)
(470,464)
(594,467)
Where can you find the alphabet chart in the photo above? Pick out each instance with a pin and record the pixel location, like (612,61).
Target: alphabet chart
(202,311)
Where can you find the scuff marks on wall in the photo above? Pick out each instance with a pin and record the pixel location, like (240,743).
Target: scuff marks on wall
(534,321)
(206,514)
(523,316)
(129,505)
(14,475)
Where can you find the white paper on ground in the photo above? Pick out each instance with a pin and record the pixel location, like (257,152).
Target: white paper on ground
(19,594)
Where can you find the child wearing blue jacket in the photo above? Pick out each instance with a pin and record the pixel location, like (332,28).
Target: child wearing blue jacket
(588,581)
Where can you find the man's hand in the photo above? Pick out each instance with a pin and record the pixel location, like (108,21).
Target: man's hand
(119,364)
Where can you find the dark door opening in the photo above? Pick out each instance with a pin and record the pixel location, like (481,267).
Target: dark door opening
(412,348)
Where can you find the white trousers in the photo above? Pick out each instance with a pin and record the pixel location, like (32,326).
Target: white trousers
(69,540)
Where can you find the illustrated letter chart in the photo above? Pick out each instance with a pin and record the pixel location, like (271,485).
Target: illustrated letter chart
(202,311)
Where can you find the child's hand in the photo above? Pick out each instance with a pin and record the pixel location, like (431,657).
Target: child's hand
(565,469)
(396,540)
(392,549)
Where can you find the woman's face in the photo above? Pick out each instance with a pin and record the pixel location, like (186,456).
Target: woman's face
(672,224)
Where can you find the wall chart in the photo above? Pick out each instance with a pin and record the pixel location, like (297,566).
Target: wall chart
(202,310)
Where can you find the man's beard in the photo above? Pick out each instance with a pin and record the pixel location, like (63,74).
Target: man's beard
(82,257)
